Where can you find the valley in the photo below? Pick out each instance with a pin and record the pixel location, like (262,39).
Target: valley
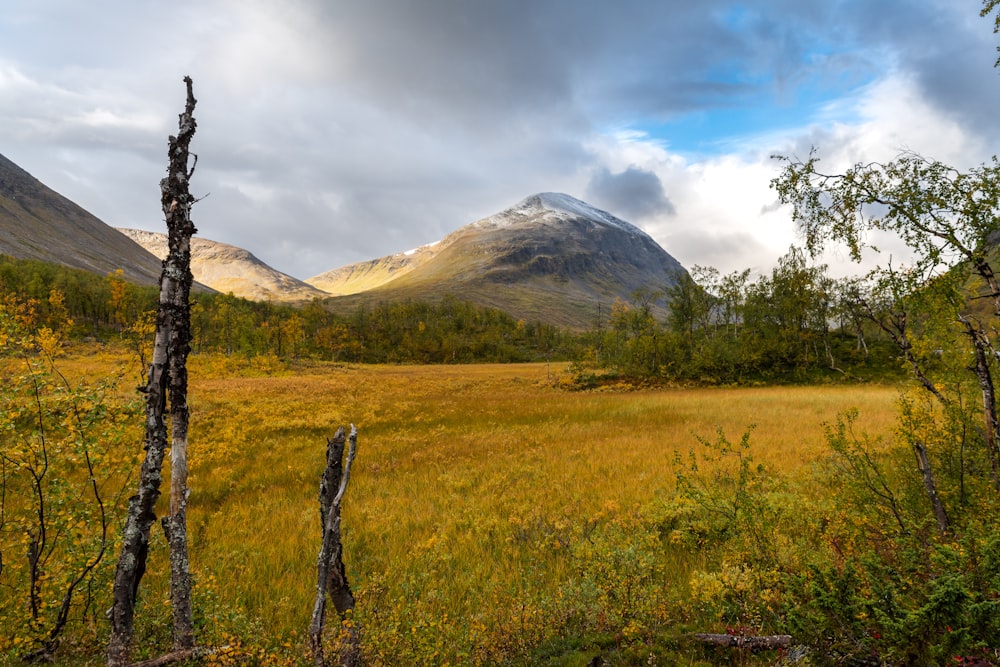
(773,440)
(494,516)
(721,454)
(550,258)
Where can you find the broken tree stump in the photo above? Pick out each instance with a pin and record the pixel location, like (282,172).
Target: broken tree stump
(331,575)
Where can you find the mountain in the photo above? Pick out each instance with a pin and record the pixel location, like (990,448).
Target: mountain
(39,223)
(227,268)
(551,258)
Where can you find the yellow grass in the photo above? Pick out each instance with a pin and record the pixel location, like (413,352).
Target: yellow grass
(464,457)
(464,475)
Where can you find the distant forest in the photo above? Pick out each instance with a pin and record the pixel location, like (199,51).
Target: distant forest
(794,325)
(452,331)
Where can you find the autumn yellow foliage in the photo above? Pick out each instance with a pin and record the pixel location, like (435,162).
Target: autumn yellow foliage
(490,509)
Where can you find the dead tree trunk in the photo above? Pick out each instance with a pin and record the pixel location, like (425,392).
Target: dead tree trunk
(176,200)
(166,373)
(331,576)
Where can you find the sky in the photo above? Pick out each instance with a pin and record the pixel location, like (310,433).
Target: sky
(337,131)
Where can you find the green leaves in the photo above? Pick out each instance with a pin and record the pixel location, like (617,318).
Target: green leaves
(62,471)
(943,215)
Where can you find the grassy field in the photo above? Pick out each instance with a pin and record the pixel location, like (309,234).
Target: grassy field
(493,515)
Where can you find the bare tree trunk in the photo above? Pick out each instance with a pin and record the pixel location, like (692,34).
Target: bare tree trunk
(135,536)
(331,576)
(176,201)
(172,338)
(991,428)
(924,464)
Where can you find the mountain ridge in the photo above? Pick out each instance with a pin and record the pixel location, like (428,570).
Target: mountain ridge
(37,222)
(550,257)
(228,268)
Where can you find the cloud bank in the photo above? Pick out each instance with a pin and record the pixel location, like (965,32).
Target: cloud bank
(336,132)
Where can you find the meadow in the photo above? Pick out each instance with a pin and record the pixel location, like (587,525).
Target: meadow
(494,515)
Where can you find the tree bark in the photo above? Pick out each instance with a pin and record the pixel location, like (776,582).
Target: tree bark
(172,336)
(924,465)
(991,427)
(331,575)
(176,201)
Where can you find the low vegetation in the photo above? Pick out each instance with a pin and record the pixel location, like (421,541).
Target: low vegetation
(796,325)
(495,515)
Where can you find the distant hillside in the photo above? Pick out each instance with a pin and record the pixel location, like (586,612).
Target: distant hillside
(550,258)
(227,268)
(39,223)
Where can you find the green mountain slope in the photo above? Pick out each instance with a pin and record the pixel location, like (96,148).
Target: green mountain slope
(550,258)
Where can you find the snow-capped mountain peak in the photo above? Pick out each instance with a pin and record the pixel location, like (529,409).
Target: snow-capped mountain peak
(557,206)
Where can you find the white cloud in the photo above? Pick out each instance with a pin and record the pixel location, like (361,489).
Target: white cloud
(727,214)
(353,130)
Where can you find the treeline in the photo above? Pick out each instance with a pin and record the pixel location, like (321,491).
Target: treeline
(795,324)
(452,331)
(97,305)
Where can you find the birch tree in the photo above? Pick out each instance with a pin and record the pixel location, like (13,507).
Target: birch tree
(949,294)
(167,376)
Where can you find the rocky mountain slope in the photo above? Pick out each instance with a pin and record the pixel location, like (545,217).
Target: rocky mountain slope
(226,268)
(39,223)
(551,258)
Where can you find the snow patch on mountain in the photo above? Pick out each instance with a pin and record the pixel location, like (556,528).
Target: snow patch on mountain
(414,251)
(556,206)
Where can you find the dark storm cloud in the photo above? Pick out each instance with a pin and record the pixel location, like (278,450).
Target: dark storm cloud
(632,194)
(592,61)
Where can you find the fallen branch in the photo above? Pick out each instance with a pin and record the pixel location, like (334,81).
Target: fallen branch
(195,653)
(764,643)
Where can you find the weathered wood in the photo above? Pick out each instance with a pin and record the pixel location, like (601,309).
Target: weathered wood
(761,643)
(331,575)
(173,307)
(195,653)
(176,201)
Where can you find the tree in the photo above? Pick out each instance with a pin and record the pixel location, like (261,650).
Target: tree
(990,6)
(58,477)
(332,576)
(689,307)
(167,374)
(948,219)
